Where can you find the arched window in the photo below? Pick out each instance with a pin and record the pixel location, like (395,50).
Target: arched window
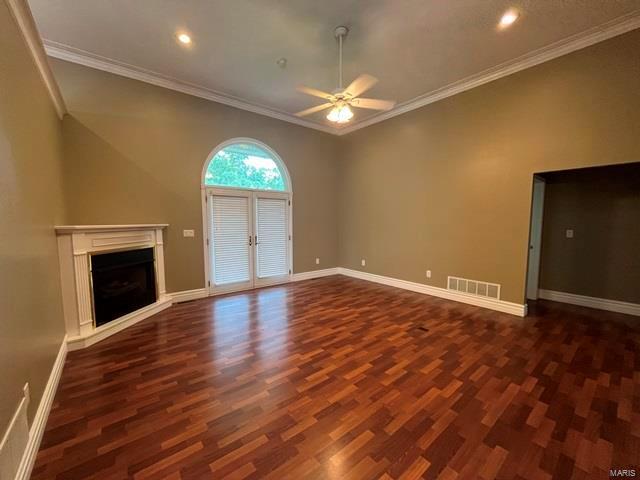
(246,215)
(244,163)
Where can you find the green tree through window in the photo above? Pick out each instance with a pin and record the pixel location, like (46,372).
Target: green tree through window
(244,166)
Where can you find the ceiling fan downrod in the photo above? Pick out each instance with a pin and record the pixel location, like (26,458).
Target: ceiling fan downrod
(340,32)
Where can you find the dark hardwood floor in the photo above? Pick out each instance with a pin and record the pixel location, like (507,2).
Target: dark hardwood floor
(344,379)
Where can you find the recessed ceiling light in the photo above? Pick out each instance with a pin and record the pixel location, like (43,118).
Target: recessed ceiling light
(184,38)
(509,17)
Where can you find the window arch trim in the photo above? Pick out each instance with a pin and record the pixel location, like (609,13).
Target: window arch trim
(282,167)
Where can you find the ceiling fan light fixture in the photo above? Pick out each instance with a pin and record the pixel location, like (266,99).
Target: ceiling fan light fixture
(342,99)
(340,114)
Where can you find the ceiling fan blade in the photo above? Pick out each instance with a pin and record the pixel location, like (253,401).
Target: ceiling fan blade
(315,92)
(361,84)
(315,109)
(373,104)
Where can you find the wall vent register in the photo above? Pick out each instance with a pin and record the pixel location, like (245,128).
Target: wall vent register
(474,287)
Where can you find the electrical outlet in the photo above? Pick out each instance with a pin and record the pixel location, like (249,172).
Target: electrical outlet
(569,233)
(428,273)
(188,233)
(363,262)
(317,261)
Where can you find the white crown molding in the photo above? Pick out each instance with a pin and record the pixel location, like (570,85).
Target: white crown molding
(589,37)
(591,302)
(82,57)
(570,44)
(24,19)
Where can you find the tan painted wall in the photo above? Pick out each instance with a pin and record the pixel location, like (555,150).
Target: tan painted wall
(134,154)
(448,187)
(602,207)
(31,322)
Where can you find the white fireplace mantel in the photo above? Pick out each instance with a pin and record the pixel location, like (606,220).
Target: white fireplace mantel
(108,228)
(76,244)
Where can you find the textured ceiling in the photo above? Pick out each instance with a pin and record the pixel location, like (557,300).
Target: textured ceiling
(412,46)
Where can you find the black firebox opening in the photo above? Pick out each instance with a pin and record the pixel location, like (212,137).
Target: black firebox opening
(122,283)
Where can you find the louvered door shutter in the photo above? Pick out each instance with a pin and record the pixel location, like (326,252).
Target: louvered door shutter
(230,223)
(273,232)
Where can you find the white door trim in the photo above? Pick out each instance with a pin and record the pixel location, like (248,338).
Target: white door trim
(535,238)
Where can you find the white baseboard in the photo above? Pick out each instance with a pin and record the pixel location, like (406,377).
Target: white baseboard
(297,277)
(591,302)
(197,293)
(499,305)
(42,414)
(188,295)
(111,328)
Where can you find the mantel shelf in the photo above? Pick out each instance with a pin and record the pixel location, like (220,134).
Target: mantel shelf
(108,228)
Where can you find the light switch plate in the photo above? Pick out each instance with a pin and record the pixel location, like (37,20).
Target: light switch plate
(428,273)
(317,261)
(363,262)
(569,233)
(188,233)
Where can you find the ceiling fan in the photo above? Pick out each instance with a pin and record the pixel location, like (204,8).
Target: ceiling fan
(342,99)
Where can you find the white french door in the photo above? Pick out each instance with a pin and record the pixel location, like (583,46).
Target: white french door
(248,239)
(271,238)
(230,241)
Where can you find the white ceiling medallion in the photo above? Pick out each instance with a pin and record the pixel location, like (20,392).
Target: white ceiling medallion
(615,27)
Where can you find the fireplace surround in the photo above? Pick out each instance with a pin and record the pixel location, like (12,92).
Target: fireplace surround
(112,276)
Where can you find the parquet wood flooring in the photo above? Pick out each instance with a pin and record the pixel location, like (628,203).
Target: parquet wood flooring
(338,378)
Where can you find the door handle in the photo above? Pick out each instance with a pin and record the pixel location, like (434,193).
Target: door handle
(256,239)
(249,240)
